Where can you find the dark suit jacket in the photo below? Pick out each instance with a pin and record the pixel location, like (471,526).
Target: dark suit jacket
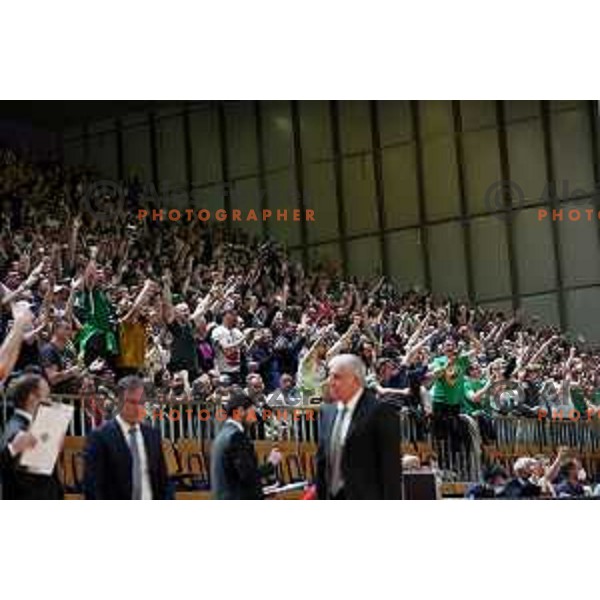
(108,463)
(371,462)
(517,489)
(235,474)
(18,484)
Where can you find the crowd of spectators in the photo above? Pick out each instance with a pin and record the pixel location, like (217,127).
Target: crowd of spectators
(197,309)
(537,477)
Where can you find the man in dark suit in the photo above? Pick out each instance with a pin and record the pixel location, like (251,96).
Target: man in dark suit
(359,439)
(235,474)
(27,392)
(124,458)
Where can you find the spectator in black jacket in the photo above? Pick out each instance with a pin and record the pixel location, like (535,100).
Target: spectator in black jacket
(27,393)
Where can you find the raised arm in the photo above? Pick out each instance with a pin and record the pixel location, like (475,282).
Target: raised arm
(418,330)
(553,470)
(167,304)
(341,343)
(501,332)
(149,287)
(76,285)
(412,351)
(542,350)
(73,241)
(312,350)
(476,345)
(10,348)
(12,295)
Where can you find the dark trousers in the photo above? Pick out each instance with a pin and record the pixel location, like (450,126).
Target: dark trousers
(486,427)
(449,432)
(341,495)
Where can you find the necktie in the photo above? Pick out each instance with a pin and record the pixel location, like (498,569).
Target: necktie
(335,476)
(136,467)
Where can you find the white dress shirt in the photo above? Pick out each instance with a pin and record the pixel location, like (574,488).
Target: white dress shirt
(350,405)
(336,482)
(146,485)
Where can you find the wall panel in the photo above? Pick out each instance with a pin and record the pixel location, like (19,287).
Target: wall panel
(441,179)
(582,306)
(478,114)
(541,309)
(448,270)
(206,157)
(490,258)
(73,152)
(535,258)
(521,109)
(579,245)
(277,134)
(319,195)
(436,118)
(241,138)
(395,122)
(355,130)
(245,195)
(400,186)
(526,158)
(136,152)
(170,148)
(572,153)
(281,189)
(211,198)
(482,170)
(364,258)
(406,262)
(103,154)
(359,195)
(315,130)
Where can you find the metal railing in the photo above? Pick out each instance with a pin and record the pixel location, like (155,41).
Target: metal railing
(518,433)
(202,420)
(511,436)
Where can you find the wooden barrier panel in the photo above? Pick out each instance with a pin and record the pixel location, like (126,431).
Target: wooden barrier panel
(188,462)
(192,496)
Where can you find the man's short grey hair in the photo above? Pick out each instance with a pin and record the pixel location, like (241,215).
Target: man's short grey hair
(523,465)
(352,362)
